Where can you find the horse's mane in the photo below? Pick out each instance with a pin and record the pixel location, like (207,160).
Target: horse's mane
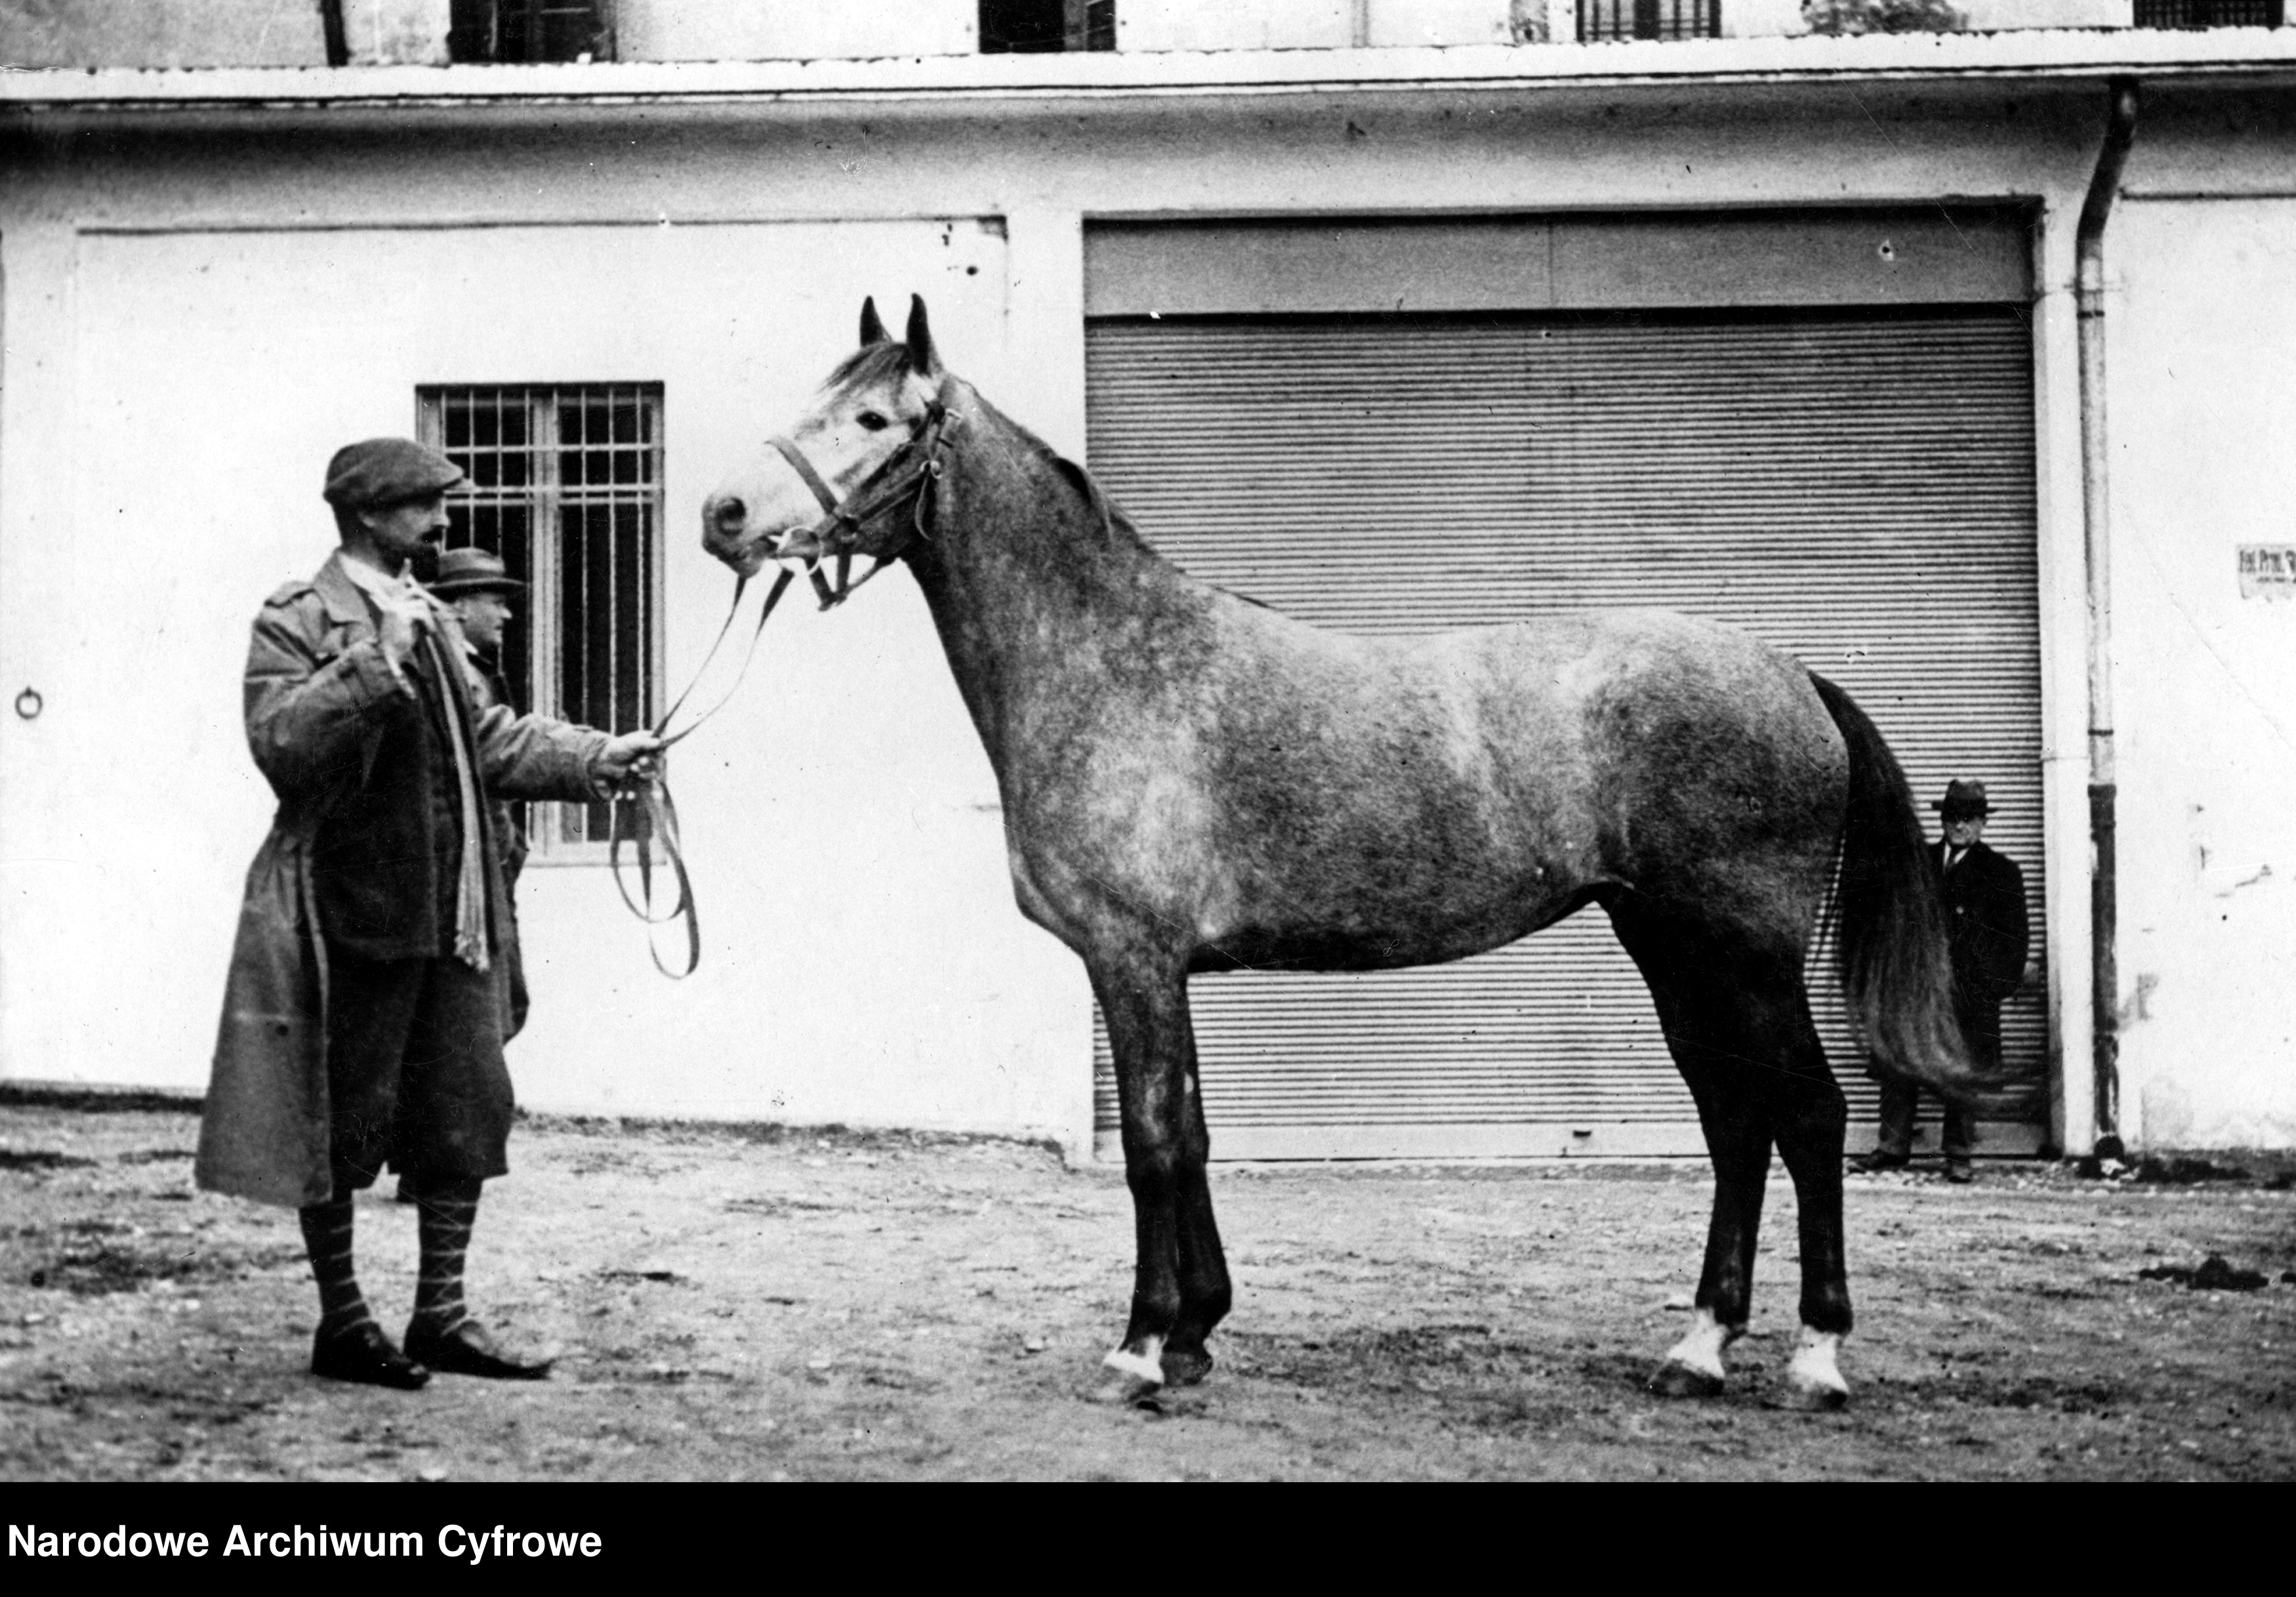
(880,362)
(1118,525)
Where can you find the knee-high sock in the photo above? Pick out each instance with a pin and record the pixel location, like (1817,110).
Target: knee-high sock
(447,1214)
(327,1237)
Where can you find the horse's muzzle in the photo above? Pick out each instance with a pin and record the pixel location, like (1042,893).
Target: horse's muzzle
(725,534)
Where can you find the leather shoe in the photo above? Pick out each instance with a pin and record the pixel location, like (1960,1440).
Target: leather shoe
(1960,1172)
(464,1348)
(1879,1159)
(363,1354)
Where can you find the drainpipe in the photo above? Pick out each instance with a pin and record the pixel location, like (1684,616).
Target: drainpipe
(331,24)
(2104,977)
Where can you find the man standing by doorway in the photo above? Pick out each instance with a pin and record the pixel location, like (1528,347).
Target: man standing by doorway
(364,1017)
(1984,907)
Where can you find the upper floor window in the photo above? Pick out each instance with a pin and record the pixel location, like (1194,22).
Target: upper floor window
(1009,27)
(565,485)
(530,30)
(1649,20)
(2209,13)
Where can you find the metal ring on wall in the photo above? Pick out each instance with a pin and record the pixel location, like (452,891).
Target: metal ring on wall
(29,703)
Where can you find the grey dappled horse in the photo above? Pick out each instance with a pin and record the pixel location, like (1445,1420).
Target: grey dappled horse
(1192,781)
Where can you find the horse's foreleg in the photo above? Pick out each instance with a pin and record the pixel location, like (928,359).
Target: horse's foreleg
(1205,1293)
(1147,1013)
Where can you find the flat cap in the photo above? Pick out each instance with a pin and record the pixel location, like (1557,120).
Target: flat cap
(380,472)
(473,571)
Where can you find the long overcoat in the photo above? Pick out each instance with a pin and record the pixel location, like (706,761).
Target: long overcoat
(319,697)
(1985,899)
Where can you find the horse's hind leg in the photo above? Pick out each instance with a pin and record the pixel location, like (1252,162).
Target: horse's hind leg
(1738,1143)
(1737,1022)
(1180,1284)
(1810,1119)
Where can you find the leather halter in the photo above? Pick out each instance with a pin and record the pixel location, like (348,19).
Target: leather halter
(839,534)
(839,530)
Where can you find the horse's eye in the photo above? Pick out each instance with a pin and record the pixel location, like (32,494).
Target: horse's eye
(872,422)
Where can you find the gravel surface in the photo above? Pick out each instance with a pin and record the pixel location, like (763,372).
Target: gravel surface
(762,1304)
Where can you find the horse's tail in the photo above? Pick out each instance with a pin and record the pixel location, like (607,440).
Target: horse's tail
(1897,969)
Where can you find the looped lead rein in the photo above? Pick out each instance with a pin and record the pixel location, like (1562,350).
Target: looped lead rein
(659,819)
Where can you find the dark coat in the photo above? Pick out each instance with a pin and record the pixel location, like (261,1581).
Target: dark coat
(1985,899)
(329,724)
(489,686)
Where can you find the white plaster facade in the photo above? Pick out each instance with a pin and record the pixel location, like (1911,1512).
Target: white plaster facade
(210,279)
(224,33)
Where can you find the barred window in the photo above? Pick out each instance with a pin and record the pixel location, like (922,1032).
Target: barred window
(1027,27)
(565,485)
(1649,20)
(2209,13)
(530,30)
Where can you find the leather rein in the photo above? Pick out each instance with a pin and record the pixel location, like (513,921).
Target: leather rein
(911,473)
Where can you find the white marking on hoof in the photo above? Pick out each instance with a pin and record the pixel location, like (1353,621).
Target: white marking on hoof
(1693,1367)
(1700,1350)
(1137,1377)
(1813,1377)
(1146,1366)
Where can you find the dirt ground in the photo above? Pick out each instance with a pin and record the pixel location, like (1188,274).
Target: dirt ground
(779,1304)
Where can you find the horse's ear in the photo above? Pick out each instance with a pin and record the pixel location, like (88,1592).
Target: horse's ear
(873,326)
(922,356)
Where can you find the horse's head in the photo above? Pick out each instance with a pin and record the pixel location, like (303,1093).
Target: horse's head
(880,406)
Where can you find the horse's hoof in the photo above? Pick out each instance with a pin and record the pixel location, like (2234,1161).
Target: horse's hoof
(1693,1367)
(1811,1397)
(1123,1391)
(1184,1367)
(1677,1380)
(1134,1380)
(1813,1383)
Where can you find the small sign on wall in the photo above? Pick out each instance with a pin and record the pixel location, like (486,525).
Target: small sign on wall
(2267,571)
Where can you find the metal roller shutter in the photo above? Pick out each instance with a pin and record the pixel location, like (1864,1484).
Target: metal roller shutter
(1855,486)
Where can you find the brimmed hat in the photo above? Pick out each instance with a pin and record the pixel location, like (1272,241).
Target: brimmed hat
(1963,799)
(377,472)
(473,571)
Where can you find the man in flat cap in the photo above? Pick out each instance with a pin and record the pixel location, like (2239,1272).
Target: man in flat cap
(364,1018)
(1984,907)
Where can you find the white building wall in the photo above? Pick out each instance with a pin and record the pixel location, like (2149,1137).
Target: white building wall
(843,858)
(188,338)
(799,30)
(2203,396)
(205,33)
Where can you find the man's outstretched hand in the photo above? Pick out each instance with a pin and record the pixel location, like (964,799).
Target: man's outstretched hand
(628,762)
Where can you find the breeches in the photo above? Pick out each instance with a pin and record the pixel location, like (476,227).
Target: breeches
(414,1070)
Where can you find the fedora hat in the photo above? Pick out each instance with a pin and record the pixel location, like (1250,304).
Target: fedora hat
(473,571)
(1963,798)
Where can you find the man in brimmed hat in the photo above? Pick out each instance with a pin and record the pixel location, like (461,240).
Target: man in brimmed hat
(1984,907)
(364,1018)
(481,589)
